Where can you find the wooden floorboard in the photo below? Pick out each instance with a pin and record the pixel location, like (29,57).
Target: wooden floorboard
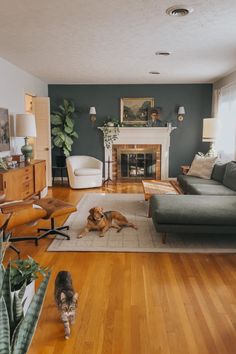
(138,303)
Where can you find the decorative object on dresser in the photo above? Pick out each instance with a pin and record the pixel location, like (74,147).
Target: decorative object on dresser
(4,130)
(24,180)
(134,111)
(209,134)
(26,127)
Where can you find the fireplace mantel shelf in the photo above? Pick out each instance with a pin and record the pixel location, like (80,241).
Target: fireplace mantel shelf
(146,129)
(144,135)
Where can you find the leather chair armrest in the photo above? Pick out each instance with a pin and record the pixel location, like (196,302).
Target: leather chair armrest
(11,207)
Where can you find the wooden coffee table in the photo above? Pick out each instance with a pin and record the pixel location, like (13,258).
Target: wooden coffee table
(158,187)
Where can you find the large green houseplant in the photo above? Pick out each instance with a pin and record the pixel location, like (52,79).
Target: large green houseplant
(17,329)
(63,132)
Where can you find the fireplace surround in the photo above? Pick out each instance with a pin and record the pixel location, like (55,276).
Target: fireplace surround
(141,137)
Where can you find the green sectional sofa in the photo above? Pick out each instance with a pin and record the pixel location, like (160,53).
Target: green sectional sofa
(208,206)
(222,182)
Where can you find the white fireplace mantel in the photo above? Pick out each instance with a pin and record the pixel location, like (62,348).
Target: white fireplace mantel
(144,135)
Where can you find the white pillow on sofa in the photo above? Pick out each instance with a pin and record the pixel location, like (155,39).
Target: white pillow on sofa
(202,167)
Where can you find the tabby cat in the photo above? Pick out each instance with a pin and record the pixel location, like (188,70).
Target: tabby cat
(66,300)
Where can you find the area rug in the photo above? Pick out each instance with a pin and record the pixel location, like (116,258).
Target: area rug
(145,239)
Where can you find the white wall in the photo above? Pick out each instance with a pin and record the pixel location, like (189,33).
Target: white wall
(14,83)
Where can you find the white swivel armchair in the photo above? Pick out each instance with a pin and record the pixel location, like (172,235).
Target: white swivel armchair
(84,171)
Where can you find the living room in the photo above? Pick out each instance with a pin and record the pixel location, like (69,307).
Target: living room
(157,289)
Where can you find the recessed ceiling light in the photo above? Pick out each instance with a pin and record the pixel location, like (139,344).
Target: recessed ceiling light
(154,72)
(164,54)
(179,10)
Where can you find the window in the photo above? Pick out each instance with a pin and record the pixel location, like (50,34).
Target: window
(226,137)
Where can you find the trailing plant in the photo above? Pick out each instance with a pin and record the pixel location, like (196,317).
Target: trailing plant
(110,131)
(17,330)
(24,271)
(63,133)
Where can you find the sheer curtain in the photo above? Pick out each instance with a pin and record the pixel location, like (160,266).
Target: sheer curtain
(226,136)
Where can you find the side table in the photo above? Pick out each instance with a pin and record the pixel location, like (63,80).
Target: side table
(184,169)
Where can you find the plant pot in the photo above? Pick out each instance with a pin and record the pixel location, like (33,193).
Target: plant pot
(110,124)
(29,294)
(60,161)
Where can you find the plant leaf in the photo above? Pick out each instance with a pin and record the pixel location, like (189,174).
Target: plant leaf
(5,328)
(26,329)
(75,135)
(58,141)
(68,130)
(66,152)
(17,310)
(56,119)
(69,122)
(22,291)
(56,130)
(6,292)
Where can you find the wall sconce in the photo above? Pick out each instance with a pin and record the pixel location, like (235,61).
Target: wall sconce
(181,113)
(92,113)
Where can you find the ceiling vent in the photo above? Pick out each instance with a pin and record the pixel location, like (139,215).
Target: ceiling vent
(154,73)
(178,11)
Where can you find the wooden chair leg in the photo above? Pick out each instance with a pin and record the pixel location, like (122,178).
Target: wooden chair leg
(164,235)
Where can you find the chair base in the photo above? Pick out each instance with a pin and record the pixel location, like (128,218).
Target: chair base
(52,231)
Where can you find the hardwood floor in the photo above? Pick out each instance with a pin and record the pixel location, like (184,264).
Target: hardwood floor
(138,303)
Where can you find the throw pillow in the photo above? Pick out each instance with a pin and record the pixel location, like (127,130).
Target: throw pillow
(202,167)
(218,172)
(230,176)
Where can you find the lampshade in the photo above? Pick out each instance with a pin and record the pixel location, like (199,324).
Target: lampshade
(92,110)
(181,110)
(25,125)
(209,129)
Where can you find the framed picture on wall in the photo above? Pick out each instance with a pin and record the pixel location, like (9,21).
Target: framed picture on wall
(4,130)
(134,111)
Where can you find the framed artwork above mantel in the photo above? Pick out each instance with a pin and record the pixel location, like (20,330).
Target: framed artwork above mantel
(134,111)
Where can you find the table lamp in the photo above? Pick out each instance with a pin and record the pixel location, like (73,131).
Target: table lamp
(209,134)
(25,127)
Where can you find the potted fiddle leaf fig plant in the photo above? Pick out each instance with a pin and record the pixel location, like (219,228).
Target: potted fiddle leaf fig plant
(63,130)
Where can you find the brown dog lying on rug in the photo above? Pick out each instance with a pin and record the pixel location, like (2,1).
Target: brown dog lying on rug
(102,221)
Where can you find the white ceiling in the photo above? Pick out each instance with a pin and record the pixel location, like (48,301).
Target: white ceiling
(114,41)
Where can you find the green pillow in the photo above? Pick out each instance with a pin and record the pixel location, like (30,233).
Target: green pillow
(218,172)
(230,176)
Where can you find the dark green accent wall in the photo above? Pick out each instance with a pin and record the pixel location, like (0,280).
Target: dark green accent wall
(185,140)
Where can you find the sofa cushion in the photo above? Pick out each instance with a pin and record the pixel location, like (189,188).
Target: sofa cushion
(210,189)
(229,179)
(202,166)
(185,181)
(87,172)
(218,172)
(197,210)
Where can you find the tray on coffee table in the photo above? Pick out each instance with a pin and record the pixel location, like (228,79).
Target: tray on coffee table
(158,187)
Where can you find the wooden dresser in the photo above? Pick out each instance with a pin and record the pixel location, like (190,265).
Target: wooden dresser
(24,181)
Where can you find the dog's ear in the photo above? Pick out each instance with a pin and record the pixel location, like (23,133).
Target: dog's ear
(91,211)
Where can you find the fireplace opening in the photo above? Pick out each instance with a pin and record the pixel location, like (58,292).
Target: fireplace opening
(136,164)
